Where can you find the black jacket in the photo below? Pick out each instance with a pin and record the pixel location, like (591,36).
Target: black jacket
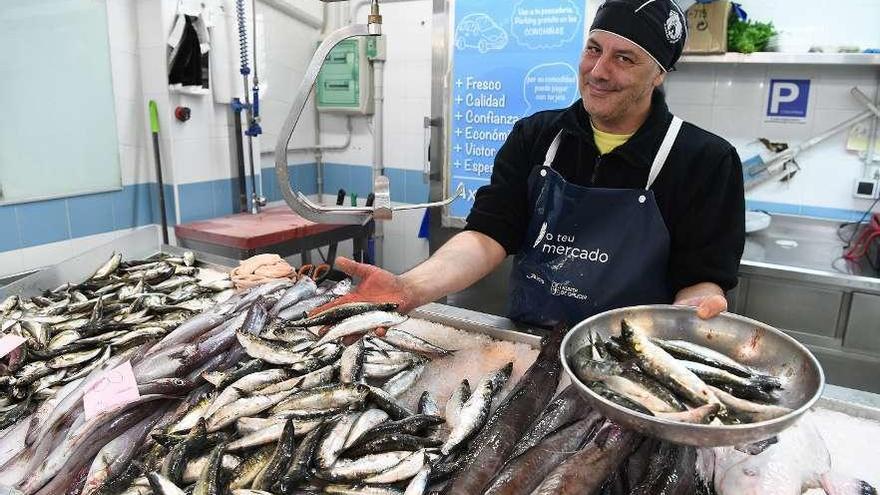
(699,191)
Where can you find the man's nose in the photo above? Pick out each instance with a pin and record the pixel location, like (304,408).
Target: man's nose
(601,69)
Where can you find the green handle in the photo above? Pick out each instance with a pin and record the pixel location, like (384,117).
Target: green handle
(154,117)
(354,199)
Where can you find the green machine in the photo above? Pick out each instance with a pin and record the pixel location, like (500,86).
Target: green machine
(345,82)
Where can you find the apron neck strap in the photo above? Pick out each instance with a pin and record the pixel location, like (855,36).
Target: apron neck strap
(551,152)
(663,152)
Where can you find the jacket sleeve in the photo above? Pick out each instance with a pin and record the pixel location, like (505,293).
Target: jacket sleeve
(501,208)
(709,237)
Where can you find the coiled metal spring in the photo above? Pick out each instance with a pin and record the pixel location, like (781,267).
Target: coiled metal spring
(242,36)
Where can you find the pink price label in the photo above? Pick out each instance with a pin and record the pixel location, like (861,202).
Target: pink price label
(8,343)
(113,389)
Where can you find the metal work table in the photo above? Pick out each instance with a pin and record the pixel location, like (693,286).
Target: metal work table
(793,277)
(274,230)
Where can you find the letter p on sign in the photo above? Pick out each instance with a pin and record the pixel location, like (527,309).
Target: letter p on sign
(788,98)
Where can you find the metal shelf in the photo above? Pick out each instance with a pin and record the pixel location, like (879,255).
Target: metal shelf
(785,58)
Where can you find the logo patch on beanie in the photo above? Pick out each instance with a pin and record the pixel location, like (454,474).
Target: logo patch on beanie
(674,27)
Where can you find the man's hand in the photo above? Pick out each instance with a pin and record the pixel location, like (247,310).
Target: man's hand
(373,285)
(707,297)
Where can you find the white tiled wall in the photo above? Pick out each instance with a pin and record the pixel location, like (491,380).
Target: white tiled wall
(730,100)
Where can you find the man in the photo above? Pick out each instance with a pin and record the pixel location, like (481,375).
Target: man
(609,203)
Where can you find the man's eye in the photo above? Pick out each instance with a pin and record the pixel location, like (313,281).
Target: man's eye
(593,49)
(624,59)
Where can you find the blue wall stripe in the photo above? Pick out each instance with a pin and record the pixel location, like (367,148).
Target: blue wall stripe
(43,222)
(9,237)
(32,224)
(91,214)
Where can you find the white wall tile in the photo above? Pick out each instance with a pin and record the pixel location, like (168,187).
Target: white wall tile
(696,113)
(691,84)
(130,122)
(833,86)
(740,85)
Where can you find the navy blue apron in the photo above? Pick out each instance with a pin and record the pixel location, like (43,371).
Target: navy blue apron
(590,249)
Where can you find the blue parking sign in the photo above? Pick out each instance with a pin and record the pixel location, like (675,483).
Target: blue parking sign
(788,99)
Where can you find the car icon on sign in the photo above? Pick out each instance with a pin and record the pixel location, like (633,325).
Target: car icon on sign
(481,32)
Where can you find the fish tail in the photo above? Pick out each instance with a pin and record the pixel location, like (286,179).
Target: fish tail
(837,484)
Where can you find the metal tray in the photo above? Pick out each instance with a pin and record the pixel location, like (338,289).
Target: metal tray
(140,244)
(748,341)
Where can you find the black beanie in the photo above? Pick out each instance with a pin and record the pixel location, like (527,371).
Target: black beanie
(656,26)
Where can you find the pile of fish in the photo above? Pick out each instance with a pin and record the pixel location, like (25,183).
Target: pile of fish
(676,380)
(49,448)
(73,329)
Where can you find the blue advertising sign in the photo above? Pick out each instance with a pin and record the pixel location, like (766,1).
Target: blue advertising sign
(787,99)
(510,60)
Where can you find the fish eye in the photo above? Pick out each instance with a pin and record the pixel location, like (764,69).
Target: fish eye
(750,472)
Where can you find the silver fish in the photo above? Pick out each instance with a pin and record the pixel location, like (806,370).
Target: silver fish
(162,485)
(364,423)
(419,484)
(453,406)
(410,342)
(384,370)
(406,469)
(245,473)
(331,445)
(267,350)
(299,310)
(475,411)
(277,465)
(666,369)
(324,397)
(63,339)
(427,405)
(244,385)
(195,466)
(240,408)
(362,323)
(321,376)
(751,411)
(218,285)
(108,267)
(401,382)
(363,467)
(73,359)
(291,335)
(302,289)
(352,363)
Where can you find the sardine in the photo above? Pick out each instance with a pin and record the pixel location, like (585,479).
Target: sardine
(333,441)
(401,382)
(244,386)
(162,485)
(391,442)
(405,340)
(453,405)
(666,369)
(269,351)
(324,397)
(362,323)
(367,420)
(278,461)
(320,376)
(244,474)
(427,404)
(259,431)
(747,388)
(302,289)
(292,335)
(475,411)
(209,480)
(300,310)
(247,406)
(406,469)
(108,267)
(179,455)
(342,312)
(689,351)
(194,467)
(301,463)
(362,467)
(352,363)
(419,483)
(748,410)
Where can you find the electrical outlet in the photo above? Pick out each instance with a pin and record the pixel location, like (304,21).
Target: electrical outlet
(866,188)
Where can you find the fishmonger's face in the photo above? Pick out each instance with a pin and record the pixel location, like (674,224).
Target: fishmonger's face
(615,75)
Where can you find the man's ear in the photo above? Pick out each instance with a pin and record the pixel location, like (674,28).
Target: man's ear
(659,78)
